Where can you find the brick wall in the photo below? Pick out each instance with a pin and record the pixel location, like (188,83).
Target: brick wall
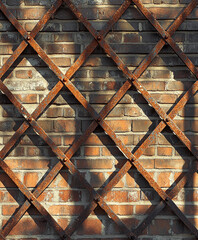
(98,159)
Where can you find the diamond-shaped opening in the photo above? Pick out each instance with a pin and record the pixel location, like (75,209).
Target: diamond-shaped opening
(34,225)
(185,202)
(70,197)
(172,227)
(125,214)
(30,73)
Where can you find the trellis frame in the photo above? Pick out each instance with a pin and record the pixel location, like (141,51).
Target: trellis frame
(99,119)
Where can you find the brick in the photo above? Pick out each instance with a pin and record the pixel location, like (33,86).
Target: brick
(123,196)
(46,196)
(41,151)
(47,125)
(163,179)
(67,126)
(30,13)
(153,86)
(171,164)
(24,74)
(97,179)
(141,125)
(90,151)
(90,227)
(27,98)
(8,210)
(54,112)
(120,126)
(28,226)
(111,151)
(94,164)
(131,37)
(30,179)
(160,226)
(6,49)
(69,196)
(62,210)
(63,48)
(165,98)
(66,37)
(114,37)
(9,37)
(164,151)
(132,111)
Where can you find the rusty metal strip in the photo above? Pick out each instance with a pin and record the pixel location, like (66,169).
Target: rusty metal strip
(163,115)
(171,30)
(13,20)
(150,100)
(33,34)
(115,218)
(40,109)
(13,58)
(39,26)
(127,72)
(56,150)
(31,198)
(166,36)
(161,205)
(60,155)
(182,56)
(148,97)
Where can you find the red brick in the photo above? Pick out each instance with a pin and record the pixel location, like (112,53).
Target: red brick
(27,98)
(141,125)
(67,126)
(94,163)
(120,126)
(69,196)
(141,209)
(46,196)
(24,74)
(111,151)
(123,196)
(62,210)
(126,210)
(170,164)
(30,179)
(92,151)
(97,179)
(29,226)
(60,181)
(132,111)
(164,151)
(63,48)
(163,179)
(160,226)
(150,151)
(90,227)
(8,210)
